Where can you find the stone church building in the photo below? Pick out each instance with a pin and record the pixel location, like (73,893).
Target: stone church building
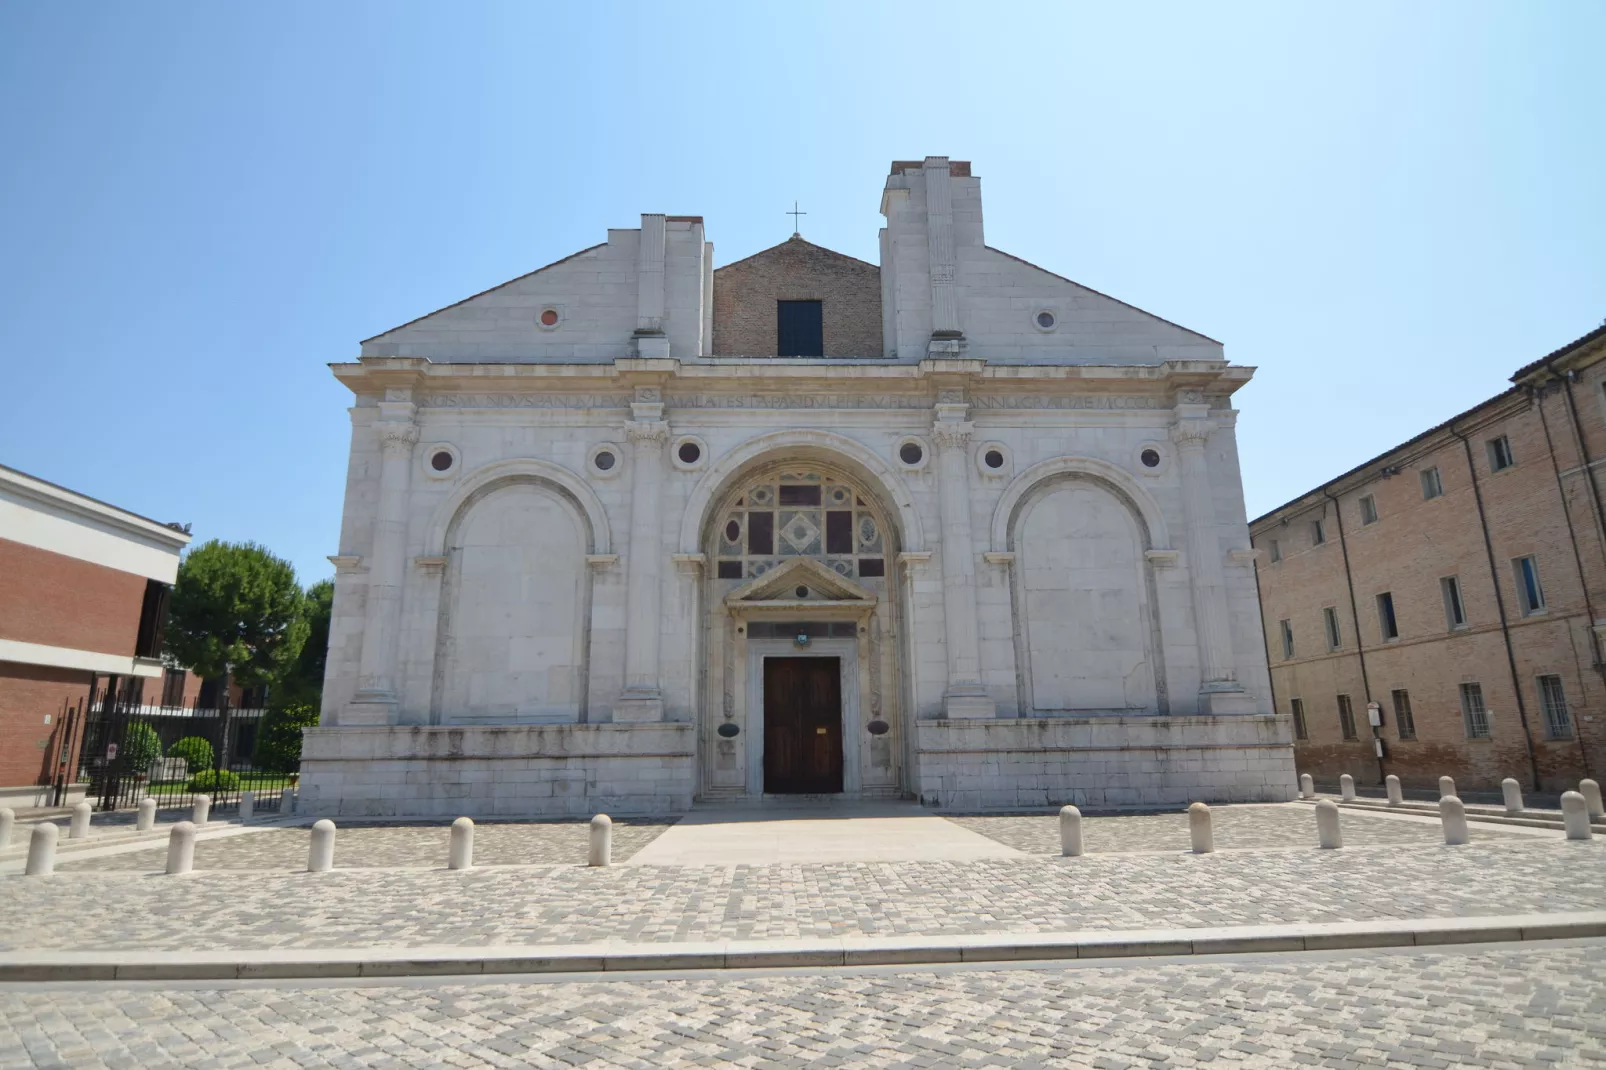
(631,531)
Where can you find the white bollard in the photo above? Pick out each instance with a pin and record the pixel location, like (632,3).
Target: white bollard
(1070,831)
(1328,833)
(42,850)
(248,806)
(1575,816)
(147,815)
(8,821)
(1590,790)
(1396,796)
(321,854)
(1204,840)
(1346,787)
(601,841)
(201,810)
(79,828)
(1513,795)
(460,851)
(181,848)
(1307,786)
(287,802)
(1453,815)
(1447,788)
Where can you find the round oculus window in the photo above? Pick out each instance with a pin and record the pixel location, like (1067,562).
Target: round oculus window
(993,459)
(910,453)
(604,460)
(441,461)
(733,531)
(1045,320)
(549,317)
(802,592)
(689,452)
(1150,458)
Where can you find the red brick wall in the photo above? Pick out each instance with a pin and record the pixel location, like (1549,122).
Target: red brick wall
(745,294)
(27,694)
(57,600)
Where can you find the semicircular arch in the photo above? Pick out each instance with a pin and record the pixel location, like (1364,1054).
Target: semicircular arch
(802,445)
(516,470)
(1118,478)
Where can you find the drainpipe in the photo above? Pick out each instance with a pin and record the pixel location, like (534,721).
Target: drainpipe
(1578,558)
(1355,623)
(1589,470)
(1500,605)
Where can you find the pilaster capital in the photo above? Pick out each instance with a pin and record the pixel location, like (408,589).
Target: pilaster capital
(1191,433)
(397,436)
(952,434)
(652,434)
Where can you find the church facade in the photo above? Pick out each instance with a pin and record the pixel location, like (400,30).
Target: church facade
(630,531)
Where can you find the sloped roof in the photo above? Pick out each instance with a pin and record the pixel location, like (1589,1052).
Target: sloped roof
(1107,297)
(800,240)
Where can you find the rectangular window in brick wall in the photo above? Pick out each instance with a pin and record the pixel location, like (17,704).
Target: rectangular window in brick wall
(1368,510)
(1346,717)
(1335,637)
(1296,706)
(1387,625)
(1473,711)
(1318,533)
(1529,594)
(173,687)
(801,329)
(1432,485)
(1404,723)
(1287,631)
(1553,700)
(1275,551)
(1500,455)
(1455,611)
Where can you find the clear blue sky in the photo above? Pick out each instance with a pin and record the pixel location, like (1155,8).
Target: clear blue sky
(1387,208)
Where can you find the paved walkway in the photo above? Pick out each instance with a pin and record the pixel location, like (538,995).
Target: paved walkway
(866,832)
(1486,1007)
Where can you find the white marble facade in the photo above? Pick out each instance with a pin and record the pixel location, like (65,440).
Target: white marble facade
(574,537)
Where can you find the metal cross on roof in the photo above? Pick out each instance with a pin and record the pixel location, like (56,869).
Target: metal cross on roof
(794,213)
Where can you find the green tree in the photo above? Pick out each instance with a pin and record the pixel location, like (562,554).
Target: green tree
(278,748)
(302,683)
(236,611)
(196,752)
(142,747)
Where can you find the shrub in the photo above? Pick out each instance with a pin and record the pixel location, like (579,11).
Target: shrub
(213,780)
(142,747)
(278,748)
(196,752)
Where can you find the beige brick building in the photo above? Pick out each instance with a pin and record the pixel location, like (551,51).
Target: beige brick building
(1457,582)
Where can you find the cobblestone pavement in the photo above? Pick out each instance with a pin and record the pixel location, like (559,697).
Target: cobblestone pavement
(496,843)
(576,904)
(1285,825)
(1502,1008)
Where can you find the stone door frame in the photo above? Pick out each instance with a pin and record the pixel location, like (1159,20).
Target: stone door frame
(848,651)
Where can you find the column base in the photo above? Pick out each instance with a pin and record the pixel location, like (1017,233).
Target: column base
(370,707)
(968,702)
(1226,699)
(639,705)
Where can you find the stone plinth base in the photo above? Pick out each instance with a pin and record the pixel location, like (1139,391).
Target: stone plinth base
(1104,762)
(497,770)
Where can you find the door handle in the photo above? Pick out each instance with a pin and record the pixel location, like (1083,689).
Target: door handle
(821,731)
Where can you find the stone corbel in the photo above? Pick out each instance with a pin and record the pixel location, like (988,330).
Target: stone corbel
(914,558)
(1243,556)
(1162,558)
(689,562)
(347,563)
(994,557)
(429,564)
(598,562)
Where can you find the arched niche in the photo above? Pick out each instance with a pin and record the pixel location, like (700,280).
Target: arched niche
(560,479)
(1117,478)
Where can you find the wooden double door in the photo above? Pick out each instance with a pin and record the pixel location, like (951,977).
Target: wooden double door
(802,725)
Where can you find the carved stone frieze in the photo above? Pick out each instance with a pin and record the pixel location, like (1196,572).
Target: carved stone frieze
(649,433)
(952,434)
(525,401)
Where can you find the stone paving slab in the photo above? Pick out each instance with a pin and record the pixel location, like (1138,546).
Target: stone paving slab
(577,904)
(389,844)
(1284,825)
(1504,1009)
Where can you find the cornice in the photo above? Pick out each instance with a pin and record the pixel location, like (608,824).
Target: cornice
(51,499)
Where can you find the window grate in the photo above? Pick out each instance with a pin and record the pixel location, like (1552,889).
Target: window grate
(1474,711)
(1558,720)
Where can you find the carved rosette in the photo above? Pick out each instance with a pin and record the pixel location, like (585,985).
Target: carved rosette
(952,434)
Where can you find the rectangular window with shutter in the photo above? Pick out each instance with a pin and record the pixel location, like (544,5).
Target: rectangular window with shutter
(1335,637)
(1432,485)
(1403,721)
(1296,706)
(801,329)
(1474,712)
(1288,638)
(1346,717)
(1553,700)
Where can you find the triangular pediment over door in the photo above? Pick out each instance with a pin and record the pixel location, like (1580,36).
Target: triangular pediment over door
(780,586)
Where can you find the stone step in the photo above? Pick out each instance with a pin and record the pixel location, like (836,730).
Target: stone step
(1538,819)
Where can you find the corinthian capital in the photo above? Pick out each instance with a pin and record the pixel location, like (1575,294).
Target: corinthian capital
(952,434)
(1191,433)
(396,436)
(652,433)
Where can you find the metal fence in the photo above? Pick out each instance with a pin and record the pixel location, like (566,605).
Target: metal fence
(125,752)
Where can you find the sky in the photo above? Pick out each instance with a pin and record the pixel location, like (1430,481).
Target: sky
(1385,208)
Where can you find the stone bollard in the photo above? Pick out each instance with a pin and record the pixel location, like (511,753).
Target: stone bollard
(1575,816)
(1453,815)
(202,810)
(321,854)
(1328,833)
(79,829)
(181,848)
(1590,790)
(601,841)
(248,806)
(287,802)
(1307,786)
(8,821)
(1204,840)
(460,852)
(1447,787)
(1513,795)
(42,850)
(1396,796)
(1070,831)
(147,815)
(1346,787)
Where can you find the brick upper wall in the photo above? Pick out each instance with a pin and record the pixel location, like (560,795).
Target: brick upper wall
(745,294)
(57,600)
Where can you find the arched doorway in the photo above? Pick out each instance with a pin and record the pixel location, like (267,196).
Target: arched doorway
(801,651)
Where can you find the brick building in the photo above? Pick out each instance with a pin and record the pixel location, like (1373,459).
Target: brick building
(83,602)
(1458,583)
